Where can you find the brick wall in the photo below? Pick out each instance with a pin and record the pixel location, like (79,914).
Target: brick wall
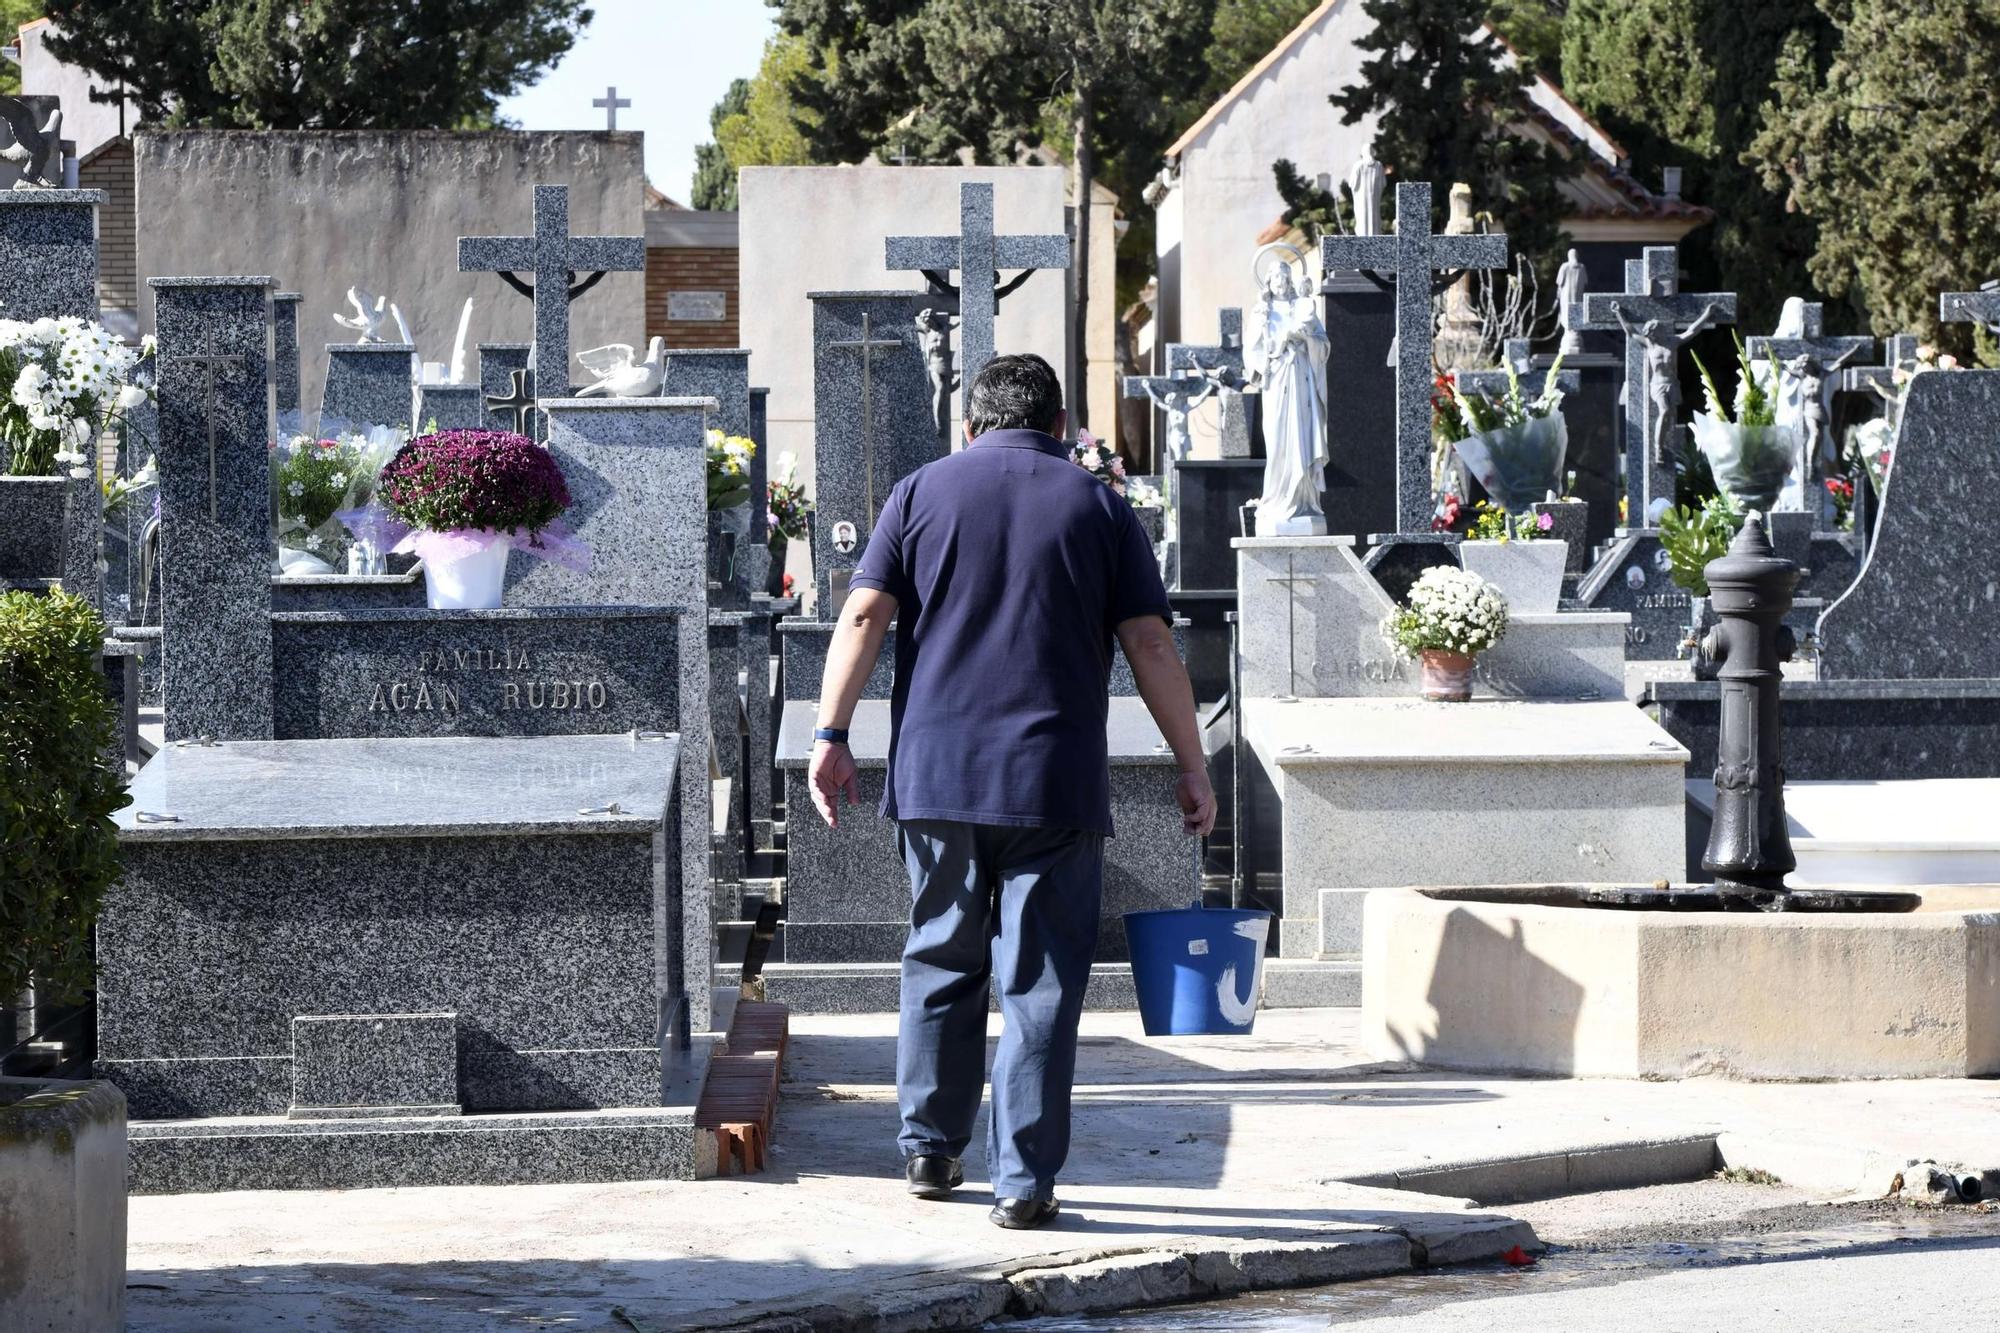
(691,268)
(110,169)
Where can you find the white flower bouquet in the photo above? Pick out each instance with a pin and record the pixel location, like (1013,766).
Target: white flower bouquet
(63,382)
(1449,611)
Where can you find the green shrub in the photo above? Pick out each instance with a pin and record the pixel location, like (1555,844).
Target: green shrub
(58,847)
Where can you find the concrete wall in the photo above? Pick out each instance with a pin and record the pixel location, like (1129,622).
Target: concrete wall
(322,211)
(810,229)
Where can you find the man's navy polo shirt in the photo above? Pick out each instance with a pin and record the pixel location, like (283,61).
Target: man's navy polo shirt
(1011,568)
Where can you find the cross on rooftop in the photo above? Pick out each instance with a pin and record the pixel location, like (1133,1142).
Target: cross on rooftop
(1413,255)
(555,257)
(975,252)
(1652,291)
(609,105)
(118,96)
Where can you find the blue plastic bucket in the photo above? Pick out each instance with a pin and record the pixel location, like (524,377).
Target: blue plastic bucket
(1199,971)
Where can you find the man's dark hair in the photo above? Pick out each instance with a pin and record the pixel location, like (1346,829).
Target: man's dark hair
(1015,393)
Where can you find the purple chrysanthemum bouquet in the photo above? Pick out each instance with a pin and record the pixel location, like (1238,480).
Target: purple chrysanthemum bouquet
(460,491)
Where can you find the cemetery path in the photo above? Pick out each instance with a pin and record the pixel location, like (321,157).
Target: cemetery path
(1182,1146)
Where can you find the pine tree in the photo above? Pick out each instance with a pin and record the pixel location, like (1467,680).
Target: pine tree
(1444,92)
(1890,151)
(714,174)
(1679,83)
(328,64)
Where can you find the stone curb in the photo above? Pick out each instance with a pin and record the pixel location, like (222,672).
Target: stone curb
(1496,1181)
(1101,1281)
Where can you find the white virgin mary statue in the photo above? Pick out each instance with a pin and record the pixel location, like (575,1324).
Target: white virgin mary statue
(1288,351)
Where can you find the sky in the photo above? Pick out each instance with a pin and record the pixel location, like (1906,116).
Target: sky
(673,58)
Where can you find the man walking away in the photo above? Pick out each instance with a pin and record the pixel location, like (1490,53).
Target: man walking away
(1007,571)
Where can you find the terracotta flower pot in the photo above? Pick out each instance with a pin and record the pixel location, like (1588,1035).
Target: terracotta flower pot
(1447,677)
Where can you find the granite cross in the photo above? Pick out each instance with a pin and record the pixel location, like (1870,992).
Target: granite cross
(1292,581)
(1897,350)
(555,257)
(868,345)
(1652,292)
(975,252)
(1494,383)
(520,402)
(1413,255)
(1822,356)
(1177,395)
(211,363)
(1224,354)
(1981,307)
(609,104)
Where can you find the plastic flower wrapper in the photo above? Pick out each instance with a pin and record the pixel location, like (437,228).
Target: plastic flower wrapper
(309,482)
(1751,463)
(1518,463)
(365,519)
(1144,495)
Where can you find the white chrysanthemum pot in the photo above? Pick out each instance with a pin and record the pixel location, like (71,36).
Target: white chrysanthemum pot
(1528,574)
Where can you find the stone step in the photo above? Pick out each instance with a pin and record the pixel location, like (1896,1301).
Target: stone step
(871,988)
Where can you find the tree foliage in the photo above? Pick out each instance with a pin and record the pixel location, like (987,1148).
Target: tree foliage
(1682,83)
(714,185)
(327,64)
(757,123)
(1889,148)
(1442,91)
(13,13)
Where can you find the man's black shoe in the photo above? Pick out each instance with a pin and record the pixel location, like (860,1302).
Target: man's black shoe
(933,1175)
(1023,1214)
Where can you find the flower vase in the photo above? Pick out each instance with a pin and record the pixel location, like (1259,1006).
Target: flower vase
(471,575)
(1447,677)
(1529,574)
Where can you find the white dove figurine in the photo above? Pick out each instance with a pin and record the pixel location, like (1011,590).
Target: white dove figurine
(619,375)
(370,313)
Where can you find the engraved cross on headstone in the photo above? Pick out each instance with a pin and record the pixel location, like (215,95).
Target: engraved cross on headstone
(1652,292)
(555,257)
(1292,580)
(609,105)
(521,402)
(975,252)
(1413,255)
(211,364)
(868,345)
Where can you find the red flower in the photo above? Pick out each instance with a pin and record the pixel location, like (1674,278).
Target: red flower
(788,585)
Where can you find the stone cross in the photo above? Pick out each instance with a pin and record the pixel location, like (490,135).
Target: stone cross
(975,252)
(1177,396)
(1292,582)
(1897,350)
(867,344)
(1494,383)
(555,257)
(520,402)
(609,105)
(1981,307)
(1812,343)
(1223,361)
(1652,292)
(118,96)
(1413,255)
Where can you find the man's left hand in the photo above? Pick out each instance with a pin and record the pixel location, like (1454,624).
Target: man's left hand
(833,775)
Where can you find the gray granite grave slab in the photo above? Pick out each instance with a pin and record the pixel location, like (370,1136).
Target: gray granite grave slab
(215,504)
(1359,483)
(31,527)
(1633,575)
(518,883)
(871,422)
(516,671)
(719,373)
(285,349)
(847,894)
(637,474)
(48,253)
(347,592)
(1398,559)
(1311,617)
(349,1065)
(974,253)
(1413,255)
(450,407)
(1208,499)
(367,384)
(552,256)
(1927,600)
(497,363)
(1852,730)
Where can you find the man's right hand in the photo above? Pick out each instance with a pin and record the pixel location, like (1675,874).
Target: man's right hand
(1197,800)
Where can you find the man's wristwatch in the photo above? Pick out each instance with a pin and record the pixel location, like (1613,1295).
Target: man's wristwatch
(838,735)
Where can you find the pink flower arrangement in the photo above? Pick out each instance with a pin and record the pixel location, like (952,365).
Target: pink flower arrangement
(1099,460)
(490,480)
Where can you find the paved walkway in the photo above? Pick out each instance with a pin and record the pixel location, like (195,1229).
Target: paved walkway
(1211,1162)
